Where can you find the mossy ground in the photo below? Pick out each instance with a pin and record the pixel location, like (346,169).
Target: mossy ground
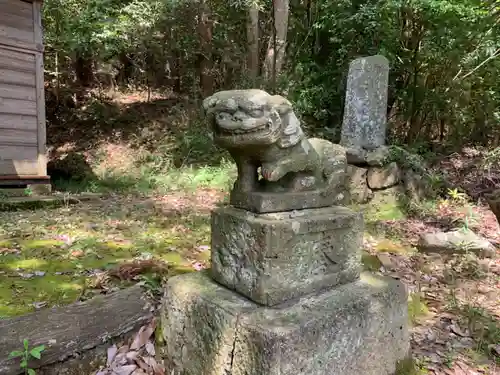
(49,256)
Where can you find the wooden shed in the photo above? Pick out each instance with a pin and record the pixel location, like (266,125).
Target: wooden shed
(23,158)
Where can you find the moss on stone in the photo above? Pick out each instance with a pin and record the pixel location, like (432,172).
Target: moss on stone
(370,262)
(408,366)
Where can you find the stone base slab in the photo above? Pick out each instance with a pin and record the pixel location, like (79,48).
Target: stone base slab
(356,329)
(266,202)
(275,257)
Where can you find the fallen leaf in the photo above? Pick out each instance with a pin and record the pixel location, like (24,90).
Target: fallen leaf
(123,349)
(143,365)
(457,330)
(111,354)
(124,370)
(120,359)
(77,253)
(150,348)
(143,336)
(131,356)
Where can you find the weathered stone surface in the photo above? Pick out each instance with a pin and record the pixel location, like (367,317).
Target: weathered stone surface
(357,184)
(356,155)
(261,131)
(387,197)
(356,329)
(365,112)
(383,177)
(272,258)
(260,202)
(378,157)
(455,242)
(414,185)
(493,200)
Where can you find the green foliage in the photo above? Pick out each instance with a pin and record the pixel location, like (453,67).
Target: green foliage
(434,47)
(443,55)
(26,354)
(416,307)
(410,366)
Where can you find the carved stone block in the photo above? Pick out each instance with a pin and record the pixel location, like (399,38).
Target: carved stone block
(356,329)
(275,257)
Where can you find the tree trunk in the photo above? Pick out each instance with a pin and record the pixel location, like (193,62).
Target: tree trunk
(275,56)
(253,42)
(205,57)
(84,70)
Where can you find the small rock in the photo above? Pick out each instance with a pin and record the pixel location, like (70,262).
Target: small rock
(455,242)
(357,185)
(355,156)
(39,305)
(39,273)
(26,275)
(381,178)
(378,157)
(386,261)
(415,185)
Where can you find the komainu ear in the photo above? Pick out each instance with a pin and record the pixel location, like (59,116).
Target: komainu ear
(291,132)
(279,104)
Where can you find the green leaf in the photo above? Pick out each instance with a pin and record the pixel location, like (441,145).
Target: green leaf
(31,371)
(16,353)
(25,343)
(24,363)
(37,351)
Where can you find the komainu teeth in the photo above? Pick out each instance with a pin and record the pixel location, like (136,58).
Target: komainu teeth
(243,131)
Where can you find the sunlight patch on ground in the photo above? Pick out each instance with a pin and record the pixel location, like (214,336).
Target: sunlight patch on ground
(51,262)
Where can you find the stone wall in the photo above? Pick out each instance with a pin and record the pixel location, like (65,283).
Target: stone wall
(381,172)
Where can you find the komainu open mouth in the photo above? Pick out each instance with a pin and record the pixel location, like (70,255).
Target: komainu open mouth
(225,131)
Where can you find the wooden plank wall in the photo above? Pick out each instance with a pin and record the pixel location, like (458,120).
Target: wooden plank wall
(22,102)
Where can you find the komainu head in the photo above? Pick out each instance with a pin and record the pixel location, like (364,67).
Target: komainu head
(240,118)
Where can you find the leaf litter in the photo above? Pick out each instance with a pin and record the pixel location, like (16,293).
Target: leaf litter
(456,324)
(136,357)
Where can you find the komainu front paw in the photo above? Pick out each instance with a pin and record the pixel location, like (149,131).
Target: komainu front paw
(270,174)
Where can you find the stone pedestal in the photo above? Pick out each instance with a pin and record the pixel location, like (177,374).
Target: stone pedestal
(273,258)
(358,328)
(285,297)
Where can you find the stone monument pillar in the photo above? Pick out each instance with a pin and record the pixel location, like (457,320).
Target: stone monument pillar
(365,110)
(285,294)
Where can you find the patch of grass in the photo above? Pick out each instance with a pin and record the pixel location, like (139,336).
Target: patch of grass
(417,307)
(386,211)
(410,366)
(484,328)
(148,179)
(385,245)
(49,256)
(423,208)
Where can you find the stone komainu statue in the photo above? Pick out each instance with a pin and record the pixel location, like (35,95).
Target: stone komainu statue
(261,131)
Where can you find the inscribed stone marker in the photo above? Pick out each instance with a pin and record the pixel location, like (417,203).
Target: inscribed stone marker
(365,111)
